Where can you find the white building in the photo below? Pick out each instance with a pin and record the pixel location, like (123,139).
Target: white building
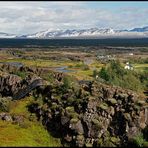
(128,66)
(131,54)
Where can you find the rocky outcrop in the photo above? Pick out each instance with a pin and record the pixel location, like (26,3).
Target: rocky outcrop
(13,85)
(9,84)
(11,118)
(23,92)
(99,114)
(84,114)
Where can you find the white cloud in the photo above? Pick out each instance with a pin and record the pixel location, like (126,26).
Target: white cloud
(30,17)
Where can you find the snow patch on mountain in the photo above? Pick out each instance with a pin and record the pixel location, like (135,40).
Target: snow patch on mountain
(83,33)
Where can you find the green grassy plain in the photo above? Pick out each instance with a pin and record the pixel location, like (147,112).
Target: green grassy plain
(29,133)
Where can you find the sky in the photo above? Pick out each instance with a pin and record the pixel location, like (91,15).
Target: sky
(31,17)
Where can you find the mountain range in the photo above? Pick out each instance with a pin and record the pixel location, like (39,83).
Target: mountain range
(84,33)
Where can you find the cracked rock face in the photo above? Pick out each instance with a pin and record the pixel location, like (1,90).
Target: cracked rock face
(9,84)
(110,113)
(98,112)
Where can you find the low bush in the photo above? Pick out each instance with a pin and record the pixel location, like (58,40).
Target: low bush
(4,104)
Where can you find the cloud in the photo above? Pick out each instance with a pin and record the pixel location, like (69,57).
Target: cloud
(30,17)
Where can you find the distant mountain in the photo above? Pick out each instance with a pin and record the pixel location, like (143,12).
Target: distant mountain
(84,33)
(71,33)
(7,35)
(144,29)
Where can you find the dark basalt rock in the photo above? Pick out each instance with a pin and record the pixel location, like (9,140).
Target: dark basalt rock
(64,120)
(9,84)
(96,113)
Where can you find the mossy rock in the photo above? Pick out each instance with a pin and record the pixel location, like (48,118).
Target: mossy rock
(80,137)
(54,106)
(33,117)
(141,102)
(112,101)
(74,120)
(109,144)
(107,134)
(74,115)
(127,116)
(115,140)
(45,107)
(100,142)
(123,96)
(88,145)
(69,109)
(103,106)
(105,143)
(97,123)
(145,144)
(4,104)
(70,101)
(137,107)
(138,140)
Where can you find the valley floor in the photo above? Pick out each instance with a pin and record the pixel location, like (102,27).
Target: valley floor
(72,74)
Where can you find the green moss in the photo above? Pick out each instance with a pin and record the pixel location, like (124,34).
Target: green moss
(71,112)
(115,140)
(103,106)
(70,101)
(74,120)
(138,140)
(88,145)
(112,101)
(74,115)
(69,109)
(20,73)
(80,137)
(141,102)
(127,116)
(145,144)
(97,123)
(54,106)
(100,142)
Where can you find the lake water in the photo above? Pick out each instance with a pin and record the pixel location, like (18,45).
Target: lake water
(27,43)
(63,69)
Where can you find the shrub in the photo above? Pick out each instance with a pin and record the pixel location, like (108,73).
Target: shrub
(138,140)
(82,66)
(4,104)
(20,74)
(104,74)
(33,117)
(71,112)
(115,74)
(24,124)
(85,67)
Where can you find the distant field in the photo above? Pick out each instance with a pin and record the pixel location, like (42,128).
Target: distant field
(141,67)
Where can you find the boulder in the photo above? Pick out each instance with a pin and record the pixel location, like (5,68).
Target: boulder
(77,126)
(9,84)
(68,138)
(7,117)
(80,141)
(64,120)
